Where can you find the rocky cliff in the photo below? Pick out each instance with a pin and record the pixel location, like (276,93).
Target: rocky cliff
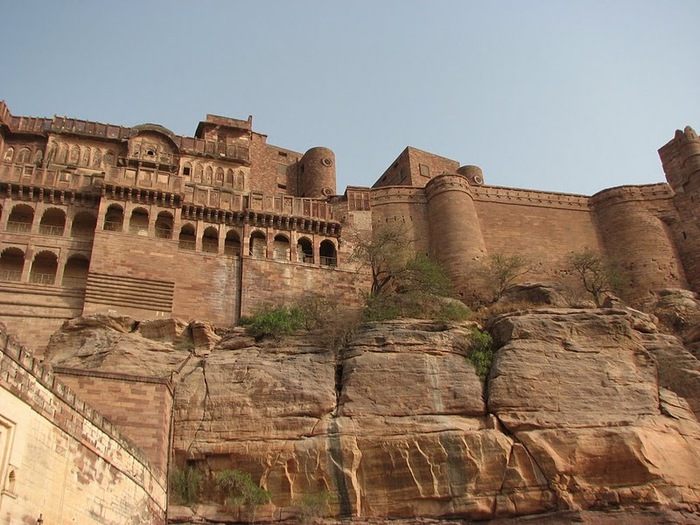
(583,412)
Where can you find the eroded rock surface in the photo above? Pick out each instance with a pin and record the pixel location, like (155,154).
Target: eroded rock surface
(398,424)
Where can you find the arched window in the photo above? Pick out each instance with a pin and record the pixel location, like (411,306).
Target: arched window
(86,156)
(110,158)
(53,222)
(9,155)
(114,218)
(327,253)
(258,245)
(198,173)
(74,156)
(44,268)
(210,240)
(76,271)
(208,175)
(11,264)
(139,222)
(97,158)
(164,225)
(219,176)
(229,177)
(280,248)
(187,170)
(240,181)
(20,219)
(12,482)
(84,224)
(305,250)
(23,156)
(187,239)
(232,243)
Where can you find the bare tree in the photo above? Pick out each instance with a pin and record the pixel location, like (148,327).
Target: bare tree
(597,275)
(502,270)
(385,252)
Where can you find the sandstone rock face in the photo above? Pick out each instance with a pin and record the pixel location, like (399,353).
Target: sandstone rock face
(579,391)
(399,425)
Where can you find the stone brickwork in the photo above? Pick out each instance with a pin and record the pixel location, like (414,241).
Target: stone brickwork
(61,460)
(141,407)
(290,283)
(98,217)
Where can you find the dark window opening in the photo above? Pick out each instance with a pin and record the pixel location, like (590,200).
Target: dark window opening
(327,254)
(305,251)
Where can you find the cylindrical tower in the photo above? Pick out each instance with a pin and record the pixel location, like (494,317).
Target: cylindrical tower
(473,174)
(681,162)
(317,173)
(636,241)
(456,241)
(405,206)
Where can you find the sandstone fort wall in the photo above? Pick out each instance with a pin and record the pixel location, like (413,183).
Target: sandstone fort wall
(61,460)
(216,225)
(141,407)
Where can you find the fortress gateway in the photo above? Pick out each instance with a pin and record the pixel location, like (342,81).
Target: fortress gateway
(99,217)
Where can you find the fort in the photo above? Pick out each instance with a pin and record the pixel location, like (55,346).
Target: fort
(98,218)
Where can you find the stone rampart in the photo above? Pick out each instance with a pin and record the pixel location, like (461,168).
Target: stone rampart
(268,282)
(61,459)
(406,206)
(636,240)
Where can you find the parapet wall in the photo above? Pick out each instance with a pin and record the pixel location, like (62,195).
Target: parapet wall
(63,461)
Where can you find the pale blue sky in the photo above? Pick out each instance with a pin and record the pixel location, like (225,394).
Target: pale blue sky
(565,95)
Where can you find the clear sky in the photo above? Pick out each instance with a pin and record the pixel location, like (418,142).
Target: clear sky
(562,95)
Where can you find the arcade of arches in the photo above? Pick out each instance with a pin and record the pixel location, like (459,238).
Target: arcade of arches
(63,265)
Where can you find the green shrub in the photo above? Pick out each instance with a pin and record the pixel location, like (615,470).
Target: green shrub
(382,307)
(453,311)
(273,322)
(480,348)
(314,504)
(237,489)
(185,485)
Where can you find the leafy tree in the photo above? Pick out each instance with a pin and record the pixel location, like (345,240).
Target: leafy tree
(597,275)
(404,284)
(502,270)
